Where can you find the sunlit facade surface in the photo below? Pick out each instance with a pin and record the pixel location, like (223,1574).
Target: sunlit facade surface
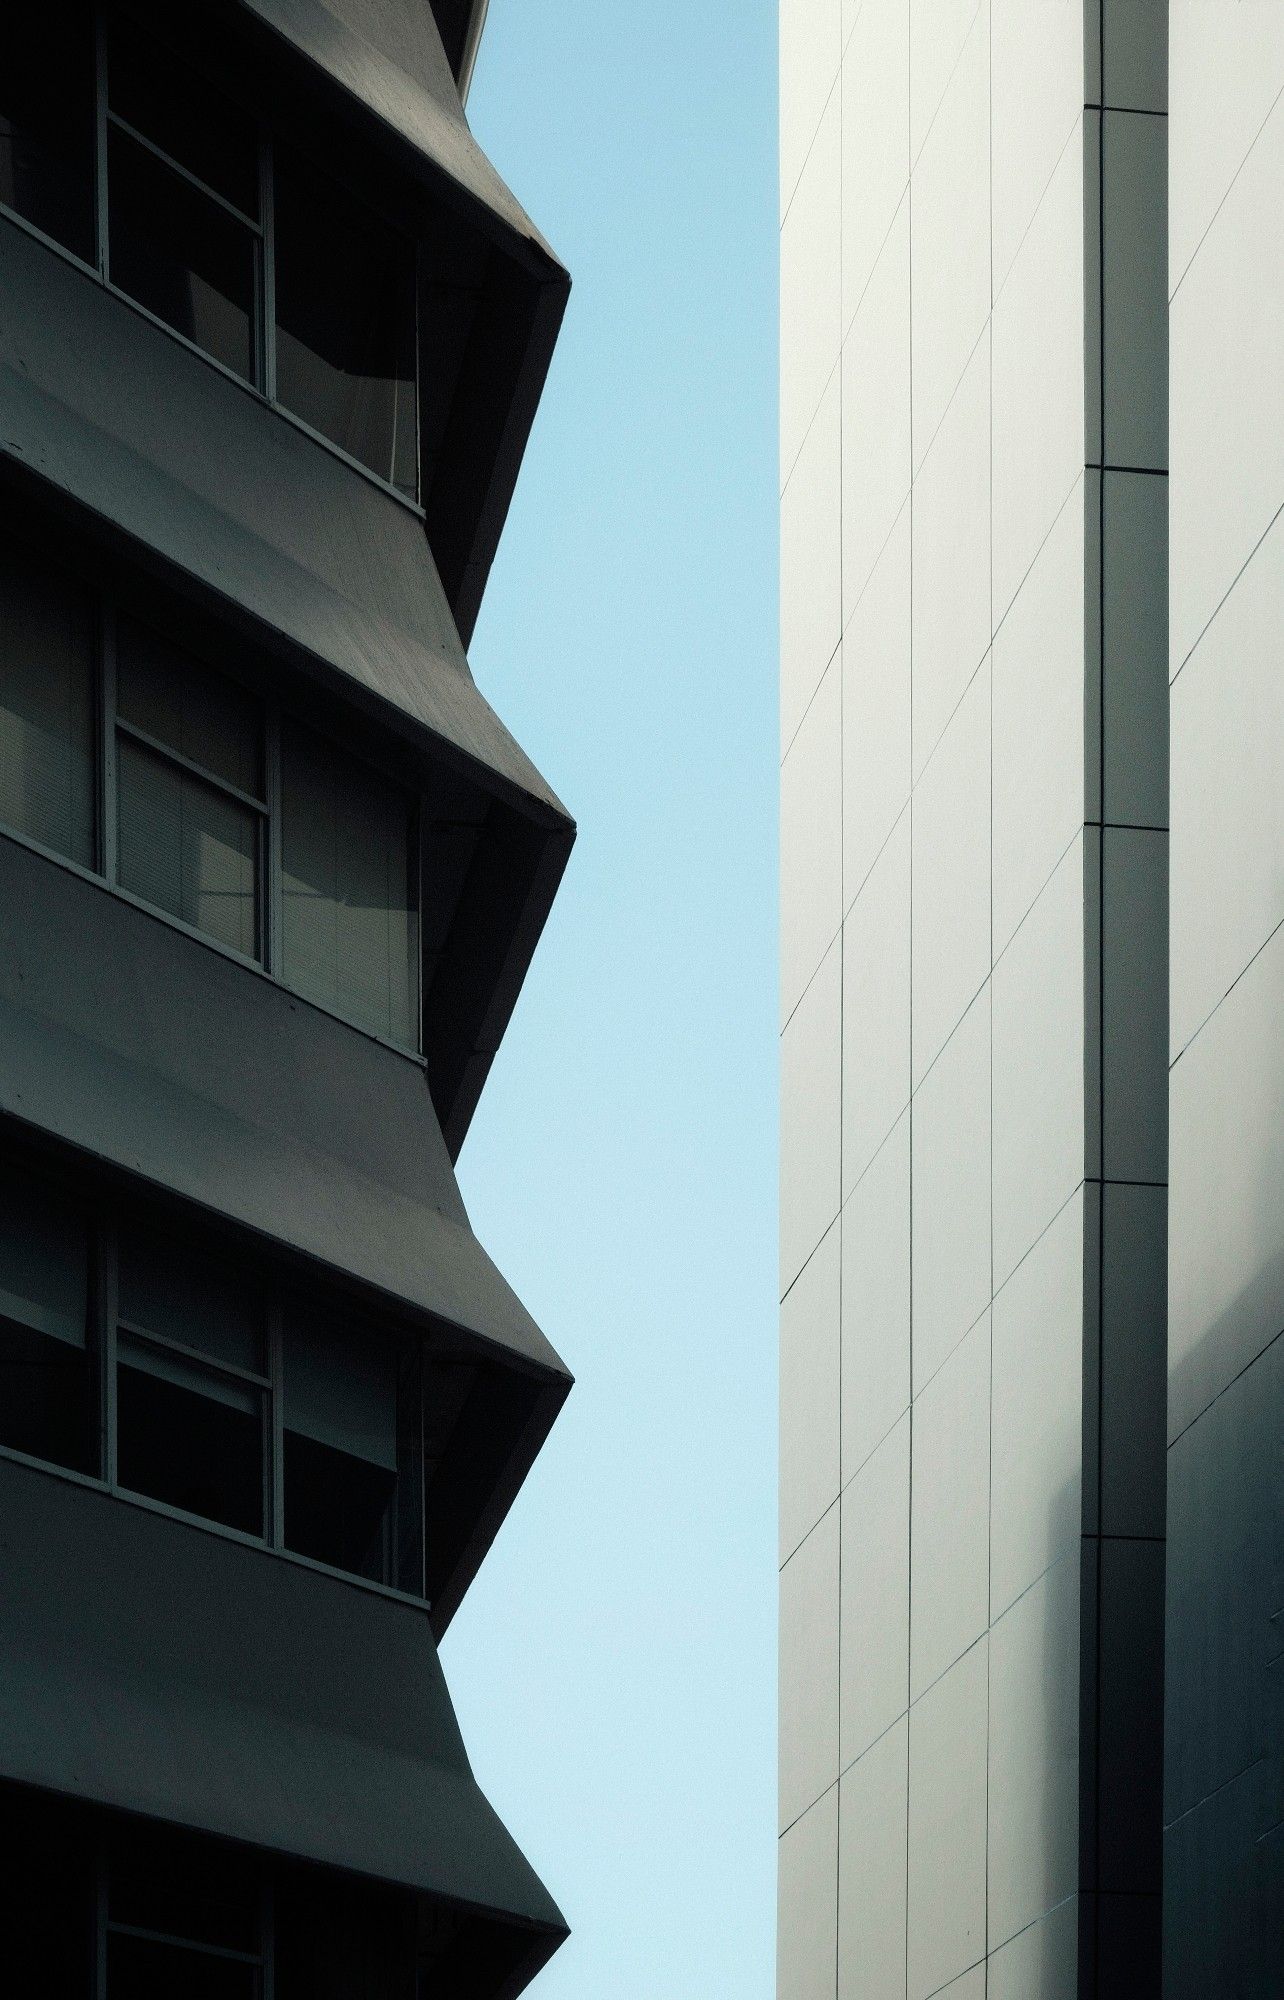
(974,998)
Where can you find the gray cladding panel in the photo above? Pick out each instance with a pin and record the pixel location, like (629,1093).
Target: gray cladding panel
(179,1675)
(1134,668)
(1225,1590)
(1134,52)
(1134,165)
(146,1050)
(102,405)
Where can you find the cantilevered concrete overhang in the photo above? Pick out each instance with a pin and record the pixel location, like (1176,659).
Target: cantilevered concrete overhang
(153,1668)
(194,1081)
(460,24)
(385,70)
(266,530)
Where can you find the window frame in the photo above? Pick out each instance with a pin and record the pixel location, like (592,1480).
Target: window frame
(104,1928)
(267,810)
(106,1223)
(276,715)
(263,335)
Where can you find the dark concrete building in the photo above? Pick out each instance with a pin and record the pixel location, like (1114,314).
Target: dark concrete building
(272,334)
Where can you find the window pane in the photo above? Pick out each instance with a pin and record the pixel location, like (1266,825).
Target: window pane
(208,719)
(193,1442)
(46,1381)
(336,1939)
(408,1568)
(163,1880)
(46,1897)
(46,708)
(142,1969)
(176,1293)
(339,1413)
(350,923)
(185,115)
(345,311)
(187,847)
(181,255)
(47,119)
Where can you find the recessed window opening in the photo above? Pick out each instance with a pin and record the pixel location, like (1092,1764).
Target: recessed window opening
(47,697)
(121,1908)
(351,1423)
(185,201)
(345,321)
(190,794)
(183,1916)
(349,887)
(47,122)
(122,751)
(154,1360)
(192,1385)
(335,1937)
(46,1376)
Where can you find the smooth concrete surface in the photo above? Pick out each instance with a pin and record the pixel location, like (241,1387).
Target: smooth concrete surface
(158,1662)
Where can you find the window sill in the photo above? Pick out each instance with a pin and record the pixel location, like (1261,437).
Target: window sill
(197,1521)
(256,394)
(146,909)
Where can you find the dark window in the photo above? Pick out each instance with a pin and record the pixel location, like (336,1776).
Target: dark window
(181,256)
(350,923)
(339,1411)
(336,1938)
(191,1385)
(46,1898)
(189,787)
(47,687)
(184,115)
(47,118)
(46,1380)
(186,806)
(186,176)
(182,1918)
(345,322)
(182,199)
(205,1386)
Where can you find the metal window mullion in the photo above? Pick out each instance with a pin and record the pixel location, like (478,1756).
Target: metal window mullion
(423,1470)
(267,1938)
(109,1301)
(100,1923)
(100,150)
(267,268)
(417,385)
(275,1468)
(200,1947)
(119,124)
(168,754)
(421,826)
(146,1338)
(273,860)
(110,819)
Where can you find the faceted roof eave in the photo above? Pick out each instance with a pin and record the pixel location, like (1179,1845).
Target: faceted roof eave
(410,89)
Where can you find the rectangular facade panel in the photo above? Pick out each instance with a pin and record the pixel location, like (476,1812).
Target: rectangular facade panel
(993,1077)
(1223,1857)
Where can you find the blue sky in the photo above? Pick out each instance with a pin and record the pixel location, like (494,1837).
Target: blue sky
(614,1665)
